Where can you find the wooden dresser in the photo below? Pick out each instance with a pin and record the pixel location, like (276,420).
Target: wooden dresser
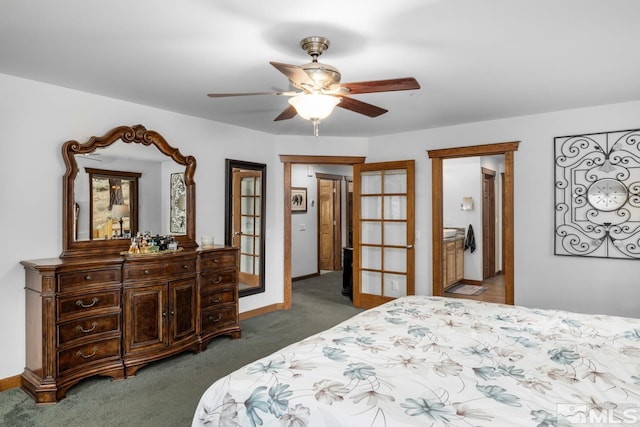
(113,315)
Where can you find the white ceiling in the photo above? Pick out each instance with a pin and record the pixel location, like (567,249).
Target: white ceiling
(474,59)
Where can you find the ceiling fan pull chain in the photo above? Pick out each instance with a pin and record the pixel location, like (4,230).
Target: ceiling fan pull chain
(315,122)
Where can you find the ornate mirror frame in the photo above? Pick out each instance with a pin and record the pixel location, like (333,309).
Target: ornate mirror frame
(128,134)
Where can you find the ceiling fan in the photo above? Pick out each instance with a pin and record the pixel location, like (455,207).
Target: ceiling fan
(320,90)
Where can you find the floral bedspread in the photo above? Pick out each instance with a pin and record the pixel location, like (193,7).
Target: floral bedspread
(443,362)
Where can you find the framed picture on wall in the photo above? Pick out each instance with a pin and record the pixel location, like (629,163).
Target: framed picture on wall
(298,199)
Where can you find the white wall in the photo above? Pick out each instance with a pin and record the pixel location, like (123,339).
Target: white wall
(304,226)
(38,118)
(590,285)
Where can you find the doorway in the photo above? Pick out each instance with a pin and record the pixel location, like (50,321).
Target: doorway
(437,157)
(288,161)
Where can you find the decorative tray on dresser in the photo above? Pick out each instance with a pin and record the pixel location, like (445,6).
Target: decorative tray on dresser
(113,315)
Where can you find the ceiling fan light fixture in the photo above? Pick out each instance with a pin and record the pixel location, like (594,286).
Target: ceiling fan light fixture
(312,106)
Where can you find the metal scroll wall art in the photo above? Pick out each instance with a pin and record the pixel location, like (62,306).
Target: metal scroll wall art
(597,195)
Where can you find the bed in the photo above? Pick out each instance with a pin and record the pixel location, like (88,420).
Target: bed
(421,360)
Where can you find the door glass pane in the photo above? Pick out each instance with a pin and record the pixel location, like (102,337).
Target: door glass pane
(247,186)
(256,246)
(247,225)
(371,282)
(247,206)
(395,181)
(395,233)
(246,244)
(246,264)
(395,259)
(371,233)
(371,208)
(258,186)
(371,258)
(371,182)
(395,285)
(395,207)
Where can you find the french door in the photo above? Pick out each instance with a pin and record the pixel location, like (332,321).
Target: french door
(383,232)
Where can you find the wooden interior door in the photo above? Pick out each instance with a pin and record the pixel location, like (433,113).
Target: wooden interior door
(329,226)
(488,223)
(383,232)
(247,213)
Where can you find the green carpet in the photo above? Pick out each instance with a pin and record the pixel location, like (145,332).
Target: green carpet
(165,393)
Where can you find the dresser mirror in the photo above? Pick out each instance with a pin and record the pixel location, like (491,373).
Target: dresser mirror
(137,170)
(245,203)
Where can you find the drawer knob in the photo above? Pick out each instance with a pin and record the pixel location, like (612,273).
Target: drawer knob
(147,272)
(81,303)
(213,301)
(88,356)
(216,280)
(88,277)
(216,260)
(186,267)
(217,319)
(86,331)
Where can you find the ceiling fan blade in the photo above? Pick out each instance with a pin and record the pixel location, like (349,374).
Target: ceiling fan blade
(360,107)
(288,113)
(294,73)
(223,95)
(407,83)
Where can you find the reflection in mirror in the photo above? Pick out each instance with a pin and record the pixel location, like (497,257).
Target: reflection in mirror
(245,222)
(113,199)
(90,224)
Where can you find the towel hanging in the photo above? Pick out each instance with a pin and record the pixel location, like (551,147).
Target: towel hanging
(470,241)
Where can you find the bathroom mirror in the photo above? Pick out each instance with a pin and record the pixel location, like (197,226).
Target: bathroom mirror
(143,154)
(245,204)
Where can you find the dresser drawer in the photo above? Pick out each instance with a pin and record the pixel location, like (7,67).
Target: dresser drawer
(218,279)
(218,317)
(69,281)
(85,304)
(159,269)
(88,327)
(215,260)
(90,353)
(212,298)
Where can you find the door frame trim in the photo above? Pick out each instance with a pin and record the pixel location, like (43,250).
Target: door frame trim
(437,223)
(288,160)
(490,223)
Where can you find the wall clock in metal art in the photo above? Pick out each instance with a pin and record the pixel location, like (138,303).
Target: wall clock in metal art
(597,195)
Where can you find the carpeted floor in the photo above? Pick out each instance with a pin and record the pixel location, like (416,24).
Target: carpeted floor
(165,393)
